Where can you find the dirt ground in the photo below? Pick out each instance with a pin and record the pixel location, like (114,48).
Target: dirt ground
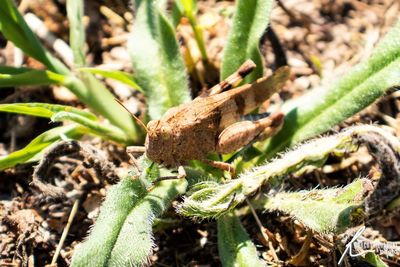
(317,38)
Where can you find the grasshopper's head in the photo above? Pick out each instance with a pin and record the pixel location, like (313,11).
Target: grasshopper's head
(159,142)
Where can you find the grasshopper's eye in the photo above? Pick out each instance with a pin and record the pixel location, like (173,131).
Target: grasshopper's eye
(165,136)
(165,133)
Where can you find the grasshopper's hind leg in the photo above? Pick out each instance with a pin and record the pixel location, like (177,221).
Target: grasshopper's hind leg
(242,133)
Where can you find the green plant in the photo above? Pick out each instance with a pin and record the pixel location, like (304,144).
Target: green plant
(319,110)
(249,23)
(80,81)
(188,8)
(129,211)
(164,78)
(123,232)
(213,198)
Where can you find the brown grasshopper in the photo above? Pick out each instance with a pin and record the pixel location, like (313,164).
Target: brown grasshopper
(211,122)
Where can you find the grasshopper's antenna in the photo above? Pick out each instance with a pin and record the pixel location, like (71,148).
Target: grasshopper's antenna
(134,116)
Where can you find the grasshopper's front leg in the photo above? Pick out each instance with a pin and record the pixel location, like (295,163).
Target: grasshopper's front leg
(242,133)
(181,175)
(134,150)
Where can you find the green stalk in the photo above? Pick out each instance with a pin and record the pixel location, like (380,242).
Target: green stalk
(190,13)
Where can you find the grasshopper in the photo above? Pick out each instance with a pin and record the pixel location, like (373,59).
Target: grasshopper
(212,122)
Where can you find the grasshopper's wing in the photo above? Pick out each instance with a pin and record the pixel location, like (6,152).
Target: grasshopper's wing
(227,107)
(232,81)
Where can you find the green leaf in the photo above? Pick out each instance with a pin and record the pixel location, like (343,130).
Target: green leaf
(44,110)
(234,245)
(76,30)
(176,13)
(249,23)
(62,113)
(122,235)
(15,29)
(102,101)
(120,76)
(89,90)
(13,70)
(37,145)
(330,210)
(138,226)
(156,59)
(209,199)
(319,110)
(22,76)
(120,200)
(95,127)
(374,259)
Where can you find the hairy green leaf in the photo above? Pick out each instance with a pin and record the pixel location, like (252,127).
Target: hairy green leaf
(249,23)
(122,235)
(120,200)
(176,13)
(330,210)
(157,60)
(212,199)
(120,76)
(234,245)
(37,145)
(43,109)
(76,30)
(138,226)
(319,110)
